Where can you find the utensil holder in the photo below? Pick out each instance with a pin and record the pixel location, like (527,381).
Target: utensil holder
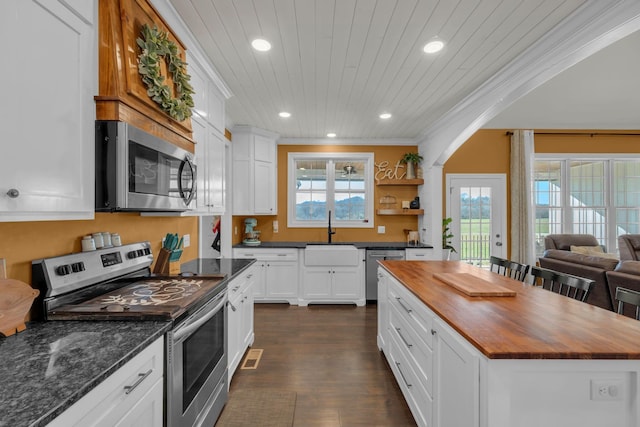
(168,262)
(162,262)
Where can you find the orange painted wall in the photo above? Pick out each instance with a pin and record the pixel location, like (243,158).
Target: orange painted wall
(22,242)
(395,225)
(488,151)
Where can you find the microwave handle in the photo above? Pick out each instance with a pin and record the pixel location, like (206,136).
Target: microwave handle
(192,193)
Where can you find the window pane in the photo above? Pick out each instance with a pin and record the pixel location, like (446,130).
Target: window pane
(626,196)
(587,183)
(311,190)
(548,198)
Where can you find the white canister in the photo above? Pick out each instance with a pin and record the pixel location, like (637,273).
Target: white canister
(106,239)
(88,244)
(115,239)
(97,237)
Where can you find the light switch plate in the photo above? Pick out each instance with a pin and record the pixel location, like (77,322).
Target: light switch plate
(382,229)
(186,240)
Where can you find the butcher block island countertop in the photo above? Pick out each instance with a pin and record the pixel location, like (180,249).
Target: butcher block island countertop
(533,324)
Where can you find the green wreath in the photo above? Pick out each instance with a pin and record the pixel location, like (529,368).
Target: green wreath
(156,46)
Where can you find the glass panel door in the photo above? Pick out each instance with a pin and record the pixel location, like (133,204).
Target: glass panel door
(477,206)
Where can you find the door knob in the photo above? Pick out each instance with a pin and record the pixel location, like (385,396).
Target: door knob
(13,193)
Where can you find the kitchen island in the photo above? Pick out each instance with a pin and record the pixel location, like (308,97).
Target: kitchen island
(533,359)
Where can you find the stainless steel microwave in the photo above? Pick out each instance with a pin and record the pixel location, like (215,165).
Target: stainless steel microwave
(137,171)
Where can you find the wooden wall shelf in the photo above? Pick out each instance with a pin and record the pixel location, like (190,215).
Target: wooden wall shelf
(399,211)
(401,182)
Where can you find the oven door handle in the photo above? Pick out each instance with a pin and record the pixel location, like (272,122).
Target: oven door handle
(186,330)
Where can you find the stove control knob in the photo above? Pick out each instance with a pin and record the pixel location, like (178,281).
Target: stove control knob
(63,270)
(77,267)
(140,252)
(147,251)
(132,255)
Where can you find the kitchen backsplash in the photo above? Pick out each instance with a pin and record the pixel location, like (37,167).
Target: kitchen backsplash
(22,242)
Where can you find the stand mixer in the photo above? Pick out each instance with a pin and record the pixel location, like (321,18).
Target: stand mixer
(252,237)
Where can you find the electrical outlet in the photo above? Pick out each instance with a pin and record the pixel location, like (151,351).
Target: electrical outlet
(382,229)
(275,226)
(235,230)
(186,240)
(607,390)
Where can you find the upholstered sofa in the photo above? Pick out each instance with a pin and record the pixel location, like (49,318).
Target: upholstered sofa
(592,263)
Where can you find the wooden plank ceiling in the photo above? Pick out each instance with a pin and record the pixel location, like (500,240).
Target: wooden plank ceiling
(335,65)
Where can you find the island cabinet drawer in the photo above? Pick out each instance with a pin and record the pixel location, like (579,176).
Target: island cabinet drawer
(417,352)
(267,254)
(414,312)
(416,395)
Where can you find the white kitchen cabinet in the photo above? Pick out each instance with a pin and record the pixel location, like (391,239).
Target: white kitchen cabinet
(277,273)
(437,370)
(457,380)
(254,171)
(210,162)
(333,283)
(132,396)
(47,165)
(240,318)
(210,148)
(422,254)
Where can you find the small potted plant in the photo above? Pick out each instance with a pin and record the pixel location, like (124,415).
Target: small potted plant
(446,239)
(412,160)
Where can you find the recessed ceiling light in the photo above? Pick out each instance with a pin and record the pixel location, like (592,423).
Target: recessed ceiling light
(433,46)
(284,114)
(261,45)
(331,135)
(385,115)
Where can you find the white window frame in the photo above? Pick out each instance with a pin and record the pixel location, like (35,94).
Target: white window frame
(610,240)
(367,158)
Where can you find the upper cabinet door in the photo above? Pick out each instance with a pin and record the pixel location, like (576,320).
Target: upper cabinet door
(47,119)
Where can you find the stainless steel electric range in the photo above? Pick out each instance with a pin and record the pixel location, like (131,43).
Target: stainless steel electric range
(116,284)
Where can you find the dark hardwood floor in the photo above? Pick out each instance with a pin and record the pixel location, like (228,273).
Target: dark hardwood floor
(328,355)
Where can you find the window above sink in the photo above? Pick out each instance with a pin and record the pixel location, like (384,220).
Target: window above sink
(340,183)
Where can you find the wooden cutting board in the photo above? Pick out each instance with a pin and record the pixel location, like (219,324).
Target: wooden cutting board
(473,286)
(16,298)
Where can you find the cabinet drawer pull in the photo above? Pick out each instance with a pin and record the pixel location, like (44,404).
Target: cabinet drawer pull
(408,310)
(282,254)
(141,377)
(402,375)
(409,345)
(433,332)
(231,305)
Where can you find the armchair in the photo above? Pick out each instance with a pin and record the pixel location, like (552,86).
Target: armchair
(629,247)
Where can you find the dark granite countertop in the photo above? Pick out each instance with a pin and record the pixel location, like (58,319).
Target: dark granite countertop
(229,266)
(359,245)
(50,365)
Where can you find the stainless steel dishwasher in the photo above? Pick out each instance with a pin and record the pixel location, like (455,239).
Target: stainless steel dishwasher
(373,256)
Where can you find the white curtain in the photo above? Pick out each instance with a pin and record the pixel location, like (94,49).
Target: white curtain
(522,238)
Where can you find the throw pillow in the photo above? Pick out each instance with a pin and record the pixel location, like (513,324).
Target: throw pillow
(592,251)
(587,250)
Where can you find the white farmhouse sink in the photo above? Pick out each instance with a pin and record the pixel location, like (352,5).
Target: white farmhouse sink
(331,255)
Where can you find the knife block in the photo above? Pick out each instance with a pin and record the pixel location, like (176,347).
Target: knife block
(164,265)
